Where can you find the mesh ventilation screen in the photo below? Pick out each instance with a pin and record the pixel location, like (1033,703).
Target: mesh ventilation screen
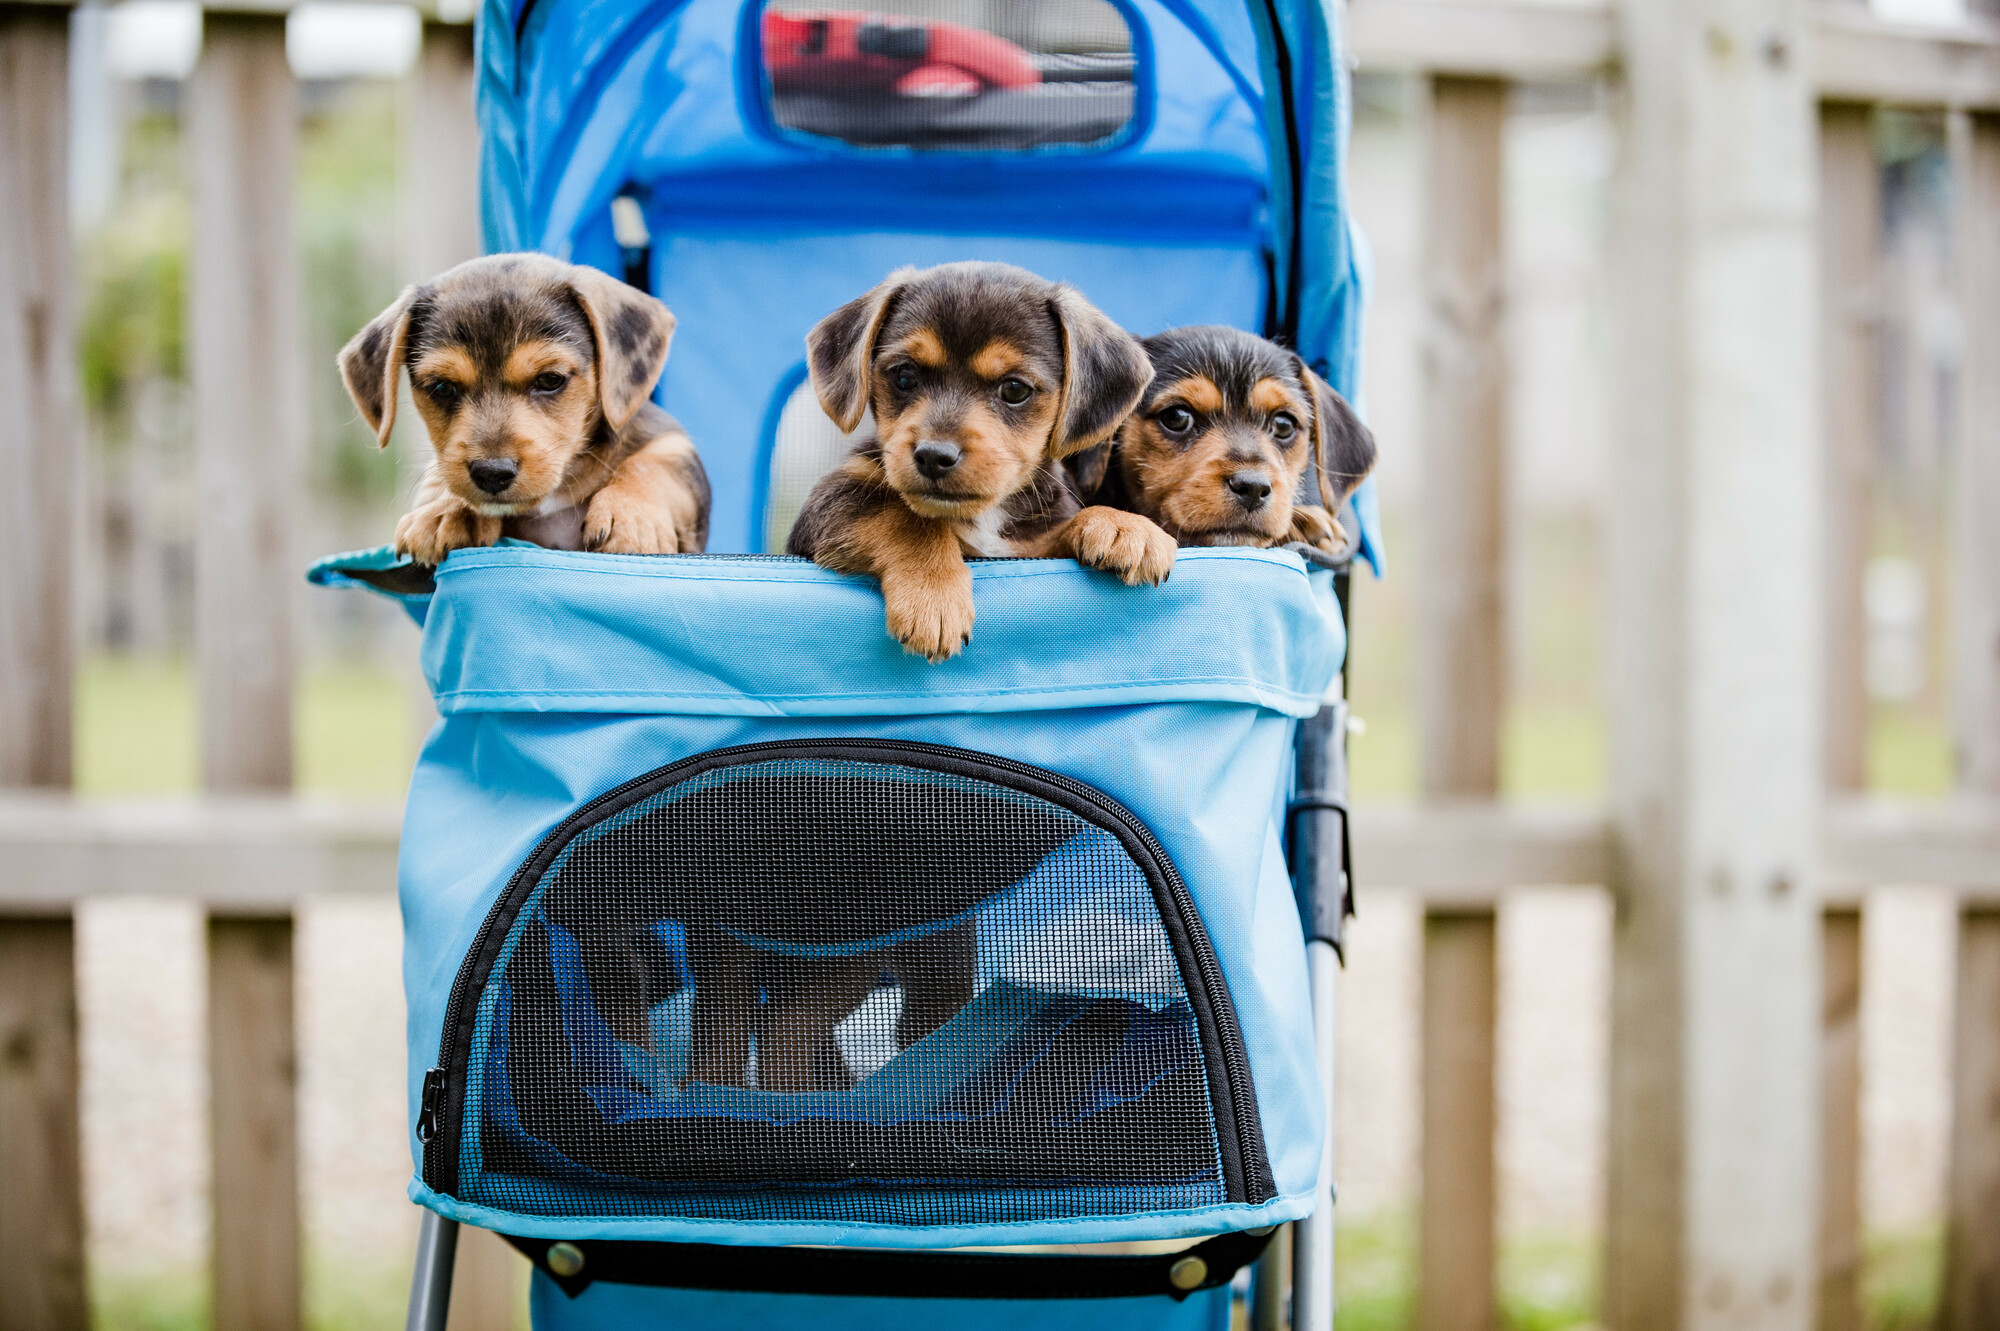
(973,75)
(842,990)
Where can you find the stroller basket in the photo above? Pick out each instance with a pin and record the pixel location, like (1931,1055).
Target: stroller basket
(729,923)
(869,981)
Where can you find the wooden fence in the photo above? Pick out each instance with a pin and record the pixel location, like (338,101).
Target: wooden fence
(1735,842)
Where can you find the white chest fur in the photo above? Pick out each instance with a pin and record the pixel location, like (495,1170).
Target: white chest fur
(981,535)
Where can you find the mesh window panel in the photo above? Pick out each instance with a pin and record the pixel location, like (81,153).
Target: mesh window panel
(825,989)
(971,75)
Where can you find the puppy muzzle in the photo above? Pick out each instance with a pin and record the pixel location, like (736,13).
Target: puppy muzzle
(493,475)
(935,458)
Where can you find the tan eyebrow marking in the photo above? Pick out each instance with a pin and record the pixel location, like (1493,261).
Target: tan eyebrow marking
(1197,391)
(997,359)
(531,358)
(446,363)
(1273,395)
(924,347)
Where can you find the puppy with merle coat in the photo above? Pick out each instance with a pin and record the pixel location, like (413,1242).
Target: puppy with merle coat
(983,378)
(1219,450)
(534,380)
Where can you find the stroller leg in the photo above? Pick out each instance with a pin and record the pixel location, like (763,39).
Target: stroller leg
(430,1284)
(1271,1285)
(1312,1237)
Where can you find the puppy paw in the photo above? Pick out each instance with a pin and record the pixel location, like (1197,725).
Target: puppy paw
(931,617)
(433,530)
(620,523)
(1127,544)
(1318,528)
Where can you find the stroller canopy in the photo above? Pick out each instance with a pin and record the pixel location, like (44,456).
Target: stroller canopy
(755,163)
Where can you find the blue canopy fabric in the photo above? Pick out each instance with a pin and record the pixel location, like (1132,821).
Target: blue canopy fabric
(1218,202)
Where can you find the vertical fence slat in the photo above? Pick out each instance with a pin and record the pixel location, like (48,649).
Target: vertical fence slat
(40,452)
(1455,1284)
(41,1179)
(1461,666)
(1840,1121)
(441,155)
(1716,637)
(1971,1296)
(253,1125)
(1850,245)
(1971,1300)
(1462,673)
(241,123)
(1976,571)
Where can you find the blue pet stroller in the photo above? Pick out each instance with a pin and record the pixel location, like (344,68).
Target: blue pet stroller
(760,974)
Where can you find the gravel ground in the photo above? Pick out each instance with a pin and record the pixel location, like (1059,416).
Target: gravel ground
(145,1149)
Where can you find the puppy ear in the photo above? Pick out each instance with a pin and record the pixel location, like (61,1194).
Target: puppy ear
(840,350)
(633,332)
(1343,449)
(1105,372)
(1086,470)
(371,361)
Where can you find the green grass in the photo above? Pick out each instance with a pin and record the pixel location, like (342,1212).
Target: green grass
(171,1302)
(1899,1280)
(1548,1282)
(353,729)
(1552,751)
(339,1297)
(1909,752)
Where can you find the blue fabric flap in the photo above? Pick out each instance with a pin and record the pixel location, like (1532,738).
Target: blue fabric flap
(724,635)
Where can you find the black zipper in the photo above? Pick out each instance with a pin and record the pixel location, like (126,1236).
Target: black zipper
(1246,1168)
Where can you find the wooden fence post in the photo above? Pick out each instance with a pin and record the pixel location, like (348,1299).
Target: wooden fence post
(1840,1121)
(1850,203)
(1971,1295)
(253,1125)
(1455,1285)
(1462,676)
(440,165)
(1716,649)
(40,435)
(1462,667)
(1850,209)
(241,121)
(41,1178)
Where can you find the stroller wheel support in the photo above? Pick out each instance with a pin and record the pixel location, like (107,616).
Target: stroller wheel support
(1321,879)
(430,1283)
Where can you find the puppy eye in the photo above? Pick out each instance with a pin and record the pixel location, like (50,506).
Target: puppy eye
(443,392)
(1283,427)
(1176,420)
(903,379)
(1014,392)
(548,381)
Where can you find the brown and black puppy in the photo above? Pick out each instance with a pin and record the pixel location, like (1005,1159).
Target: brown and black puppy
(983,378)
(534,379)
(1217,452)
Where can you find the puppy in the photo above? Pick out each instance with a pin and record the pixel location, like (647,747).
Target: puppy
(982,378)
(1217,453)
(533,378)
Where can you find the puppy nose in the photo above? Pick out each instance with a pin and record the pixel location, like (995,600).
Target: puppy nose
(935,457)
(493,474)
(1251,488)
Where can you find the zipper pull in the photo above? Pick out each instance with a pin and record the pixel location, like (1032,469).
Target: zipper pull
(431,1105)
